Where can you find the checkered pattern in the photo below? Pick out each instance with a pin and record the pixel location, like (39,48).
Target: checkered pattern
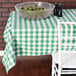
(8,53)
(35,37)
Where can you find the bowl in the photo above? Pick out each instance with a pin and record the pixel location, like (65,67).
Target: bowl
(35,10)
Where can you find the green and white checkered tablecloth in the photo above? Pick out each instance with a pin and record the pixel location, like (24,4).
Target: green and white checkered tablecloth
(35,37)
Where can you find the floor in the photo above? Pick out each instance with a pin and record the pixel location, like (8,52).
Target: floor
(69,75)
(68,59)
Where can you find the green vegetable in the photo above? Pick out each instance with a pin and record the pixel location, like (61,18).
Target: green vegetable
(32,8)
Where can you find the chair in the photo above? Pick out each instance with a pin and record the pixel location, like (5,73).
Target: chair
(58,58)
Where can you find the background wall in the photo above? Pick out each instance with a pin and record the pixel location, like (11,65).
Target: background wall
(8,5)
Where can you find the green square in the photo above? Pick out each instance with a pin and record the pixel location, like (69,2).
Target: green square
(52,41)
(12,56)
(62,47)
(47,36)
(31,41)
(53,32)
(36,53)
(15,37)
(73,41)
(69,31)
(26,36)
(8,59)
(46,50)
(72,47)
(69,27)
(31,45)
(41,49)
(31,36)
(16,53)
(21,44)
(21,52)
(47,45)
(36,45)
(37,36)
(26,32)
(20,48)
(53,36)
(52,45)
(5,53)
(52,49)
(31,53)
(41,53)
(26,45)
(63,41)
(42,36)
(36,49)
(31,32)
(63,27)
(42,41)
(20,32)
(15,49)
(47,32)
(15,44)
(26,48)
(37,32)
(47,41)
(67,48)
(74,31)
(41,45)
(31,49)
(36,41)
(42,32)
(11,44)
(63,32)
(15,40)
(57,49)
(20,40)
(9,52)
(68,41)
(7,66)
(26,41)
(26,52)
(3,62)
(10,63)
(20,37)
(57,45)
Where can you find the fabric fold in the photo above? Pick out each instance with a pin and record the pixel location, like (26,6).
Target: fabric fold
(8,63)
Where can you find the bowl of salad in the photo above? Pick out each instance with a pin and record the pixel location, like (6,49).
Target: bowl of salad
(34,10)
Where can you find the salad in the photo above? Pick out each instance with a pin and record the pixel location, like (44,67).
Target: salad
(35,8)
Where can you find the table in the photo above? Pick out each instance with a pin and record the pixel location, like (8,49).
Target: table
(35,37)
